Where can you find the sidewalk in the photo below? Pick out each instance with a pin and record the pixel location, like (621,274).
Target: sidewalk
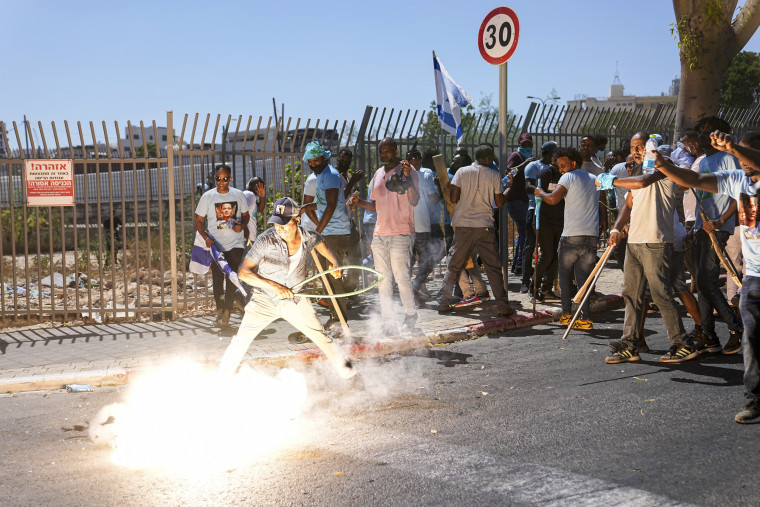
(47,357)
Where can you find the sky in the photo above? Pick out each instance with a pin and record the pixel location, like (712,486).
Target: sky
(116,61)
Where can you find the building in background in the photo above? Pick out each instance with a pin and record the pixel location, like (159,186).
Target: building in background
(135,137)
(619,99)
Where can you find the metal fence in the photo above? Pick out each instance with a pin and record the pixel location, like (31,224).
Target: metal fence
(61,263)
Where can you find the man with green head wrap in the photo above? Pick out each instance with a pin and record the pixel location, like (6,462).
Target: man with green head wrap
(331,217)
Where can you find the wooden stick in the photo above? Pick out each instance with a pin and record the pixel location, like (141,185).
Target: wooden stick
(599,266)
(343,323)
(583,301)
(727,264)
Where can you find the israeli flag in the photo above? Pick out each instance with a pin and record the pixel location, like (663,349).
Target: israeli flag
(449,98)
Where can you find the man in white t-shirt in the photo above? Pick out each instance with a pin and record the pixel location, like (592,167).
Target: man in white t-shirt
(256,196)
(225,211)
(309,192)
(587,150)
(580,234)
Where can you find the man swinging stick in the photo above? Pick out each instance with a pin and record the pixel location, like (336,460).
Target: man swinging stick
(279,259)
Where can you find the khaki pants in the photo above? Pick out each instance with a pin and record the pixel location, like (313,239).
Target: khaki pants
(262,311)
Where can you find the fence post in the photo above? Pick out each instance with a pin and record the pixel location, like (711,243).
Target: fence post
(172,210)
(653,120)
(360,146)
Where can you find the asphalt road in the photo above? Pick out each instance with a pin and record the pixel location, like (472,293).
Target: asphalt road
(522,418)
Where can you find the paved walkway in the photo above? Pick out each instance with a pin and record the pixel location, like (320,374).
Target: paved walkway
(48,356)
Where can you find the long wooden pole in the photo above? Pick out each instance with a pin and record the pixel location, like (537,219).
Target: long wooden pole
(726,262)
(334,301)
(591,277)
(585,297)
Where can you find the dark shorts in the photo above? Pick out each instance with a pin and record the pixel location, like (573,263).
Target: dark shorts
(677,273)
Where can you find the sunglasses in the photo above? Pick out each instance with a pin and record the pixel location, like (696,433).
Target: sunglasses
(217,178)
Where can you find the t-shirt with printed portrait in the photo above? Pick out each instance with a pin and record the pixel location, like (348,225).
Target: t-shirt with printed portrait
(223,212)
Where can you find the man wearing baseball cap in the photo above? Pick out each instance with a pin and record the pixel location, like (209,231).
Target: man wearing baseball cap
(278,260)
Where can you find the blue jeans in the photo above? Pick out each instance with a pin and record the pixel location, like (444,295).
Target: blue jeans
(530,246)
(423,254)
(708,273)
(518,211)
(749,308)
(392,255)
(577,255)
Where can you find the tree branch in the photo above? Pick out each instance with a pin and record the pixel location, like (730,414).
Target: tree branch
(746,23)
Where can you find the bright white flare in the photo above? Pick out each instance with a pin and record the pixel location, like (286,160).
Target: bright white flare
(185,418)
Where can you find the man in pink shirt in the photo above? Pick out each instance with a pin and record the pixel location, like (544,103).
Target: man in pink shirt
(395,193)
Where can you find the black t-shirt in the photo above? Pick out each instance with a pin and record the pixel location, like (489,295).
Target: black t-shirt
(517,190)
(551,215)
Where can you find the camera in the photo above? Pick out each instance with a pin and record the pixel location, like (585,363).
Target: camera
(398,183)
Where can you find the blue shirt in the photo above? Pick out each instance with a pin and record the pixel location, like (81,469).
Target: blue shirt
(531,171)
(737,185)
(424,210)
(716,205)
(339,222)
(370,217)
(581,203)
(620,171)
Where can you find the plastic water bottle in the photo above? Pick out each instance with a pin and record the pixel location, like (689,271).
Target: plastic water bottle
(649,157)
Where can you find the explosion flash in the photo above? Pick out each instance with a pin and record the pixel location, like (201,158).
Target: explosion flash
(185,418)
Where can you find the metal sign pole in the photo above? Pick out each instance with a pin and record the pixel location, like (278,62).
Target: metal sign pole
(503,154)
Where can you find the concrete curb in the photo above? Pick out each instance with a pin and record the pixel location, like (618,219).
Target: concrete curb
(380,348)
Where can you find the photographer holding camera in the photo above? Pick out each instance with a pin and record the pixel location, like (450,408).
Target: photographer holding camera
(395,193)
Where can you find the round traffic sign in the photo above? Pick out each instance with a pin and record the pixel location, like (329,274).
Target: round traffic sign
(497,38)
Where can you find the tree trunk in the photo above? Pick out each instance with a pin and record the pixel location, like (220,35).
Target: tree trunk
(709,40)
(699,94)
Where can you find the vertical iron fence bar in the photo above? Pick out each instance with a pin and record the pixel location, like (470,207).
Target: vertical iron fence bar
(182,133)
(27,275)
(12,224)
(86,178)
(50,237)
(63,235)
(110,231)
(75,229)
(148,199)
(136,220)
(122,180)
(324,132)
(161,250)
(98,198)
(173,216)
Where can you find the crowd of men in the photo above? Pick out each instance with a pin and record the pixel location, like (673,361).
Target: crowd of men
(683,213)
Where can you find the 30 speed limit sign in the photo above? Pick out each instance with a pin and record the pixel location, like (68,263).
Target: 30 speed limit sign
(497,38)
